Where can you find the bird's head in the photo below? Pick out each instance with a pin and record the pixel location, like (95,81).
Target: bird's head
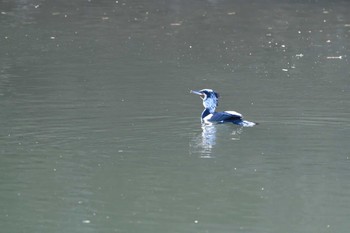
(210,98)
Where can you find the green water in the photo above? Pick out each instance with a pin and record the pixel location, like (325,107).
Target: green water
(99,133)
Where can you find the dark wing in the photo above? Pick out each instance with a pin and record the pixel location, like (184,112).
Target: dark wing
(228,116)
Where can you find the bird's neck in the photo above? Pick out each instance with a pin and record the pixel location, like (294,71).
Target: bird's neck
(210,104)
(206,112)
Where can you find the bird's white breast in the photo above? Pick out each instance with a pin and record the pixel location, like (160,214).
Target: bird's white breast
(207,118)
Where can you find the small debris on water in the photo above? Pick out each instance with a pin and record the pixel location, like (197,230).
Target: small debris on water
(299,55)
(176,23)
(335,57)
(231,13)
(196,221)
(86,221)
(285,70)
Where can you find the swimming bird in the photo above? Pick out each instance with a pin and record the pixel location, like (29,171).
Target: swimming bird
(209,116)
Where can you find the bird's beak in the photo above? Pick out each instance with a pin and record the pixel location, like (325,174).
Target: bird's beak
(195,92)
(198,93)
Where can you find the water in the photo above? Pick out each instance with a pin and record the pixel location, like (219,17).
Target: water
(99,132)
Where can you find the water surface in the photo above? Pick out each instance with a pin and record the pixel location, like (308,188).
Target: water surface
(99,132)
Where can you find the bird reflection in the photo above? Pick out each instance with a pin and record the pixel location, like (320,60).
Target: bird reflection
(207,140)
(203,143)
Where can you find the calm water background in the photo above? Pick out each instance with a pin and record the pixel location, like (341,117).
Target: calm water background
(98,131)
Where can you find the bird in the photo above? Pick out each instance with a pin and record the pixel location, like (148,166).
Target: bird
(210,116)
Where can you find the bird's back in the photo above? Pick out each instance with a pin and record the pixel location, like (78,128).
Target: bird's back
(223,117)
